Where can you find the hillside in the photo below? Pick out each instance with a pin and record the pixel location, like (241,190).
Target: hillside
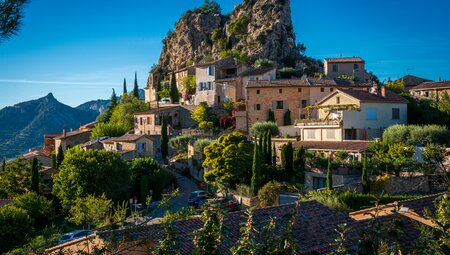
(100,105)
(255,29)
(24,124)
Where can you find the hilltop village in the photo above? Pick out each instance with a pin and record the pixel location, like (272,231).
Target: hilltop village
(233,153)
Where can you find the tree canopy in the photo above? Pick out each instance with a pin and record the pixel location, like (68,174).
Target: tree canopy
(15,179)
(11,15)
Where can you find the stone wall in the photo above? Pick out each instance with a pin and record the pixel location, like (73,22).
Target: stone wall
(407,185)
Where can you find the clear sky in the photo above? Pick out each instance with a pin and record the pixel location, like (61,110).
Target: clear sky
(80,50)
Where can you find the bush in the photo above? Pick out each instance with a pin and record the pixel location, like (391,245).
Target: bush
(269,194)
(416,135)
(15,225)
(243,190)
(180,142)
(260,128)
(38,207)
(329,199)
(200,144)
(357,201)
(239,26)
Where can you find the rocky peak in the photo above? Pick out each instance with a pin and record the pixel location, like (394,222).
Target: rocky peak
(255,29)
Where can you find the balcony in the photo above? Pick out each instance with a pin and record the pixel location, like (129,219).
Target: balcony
(305,123)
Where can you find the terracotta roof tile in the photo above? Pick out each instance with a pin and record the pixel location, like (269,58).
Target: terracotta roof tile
(432,85)
(72,133)
(344,60)
(366,96)
(125,138)
(411,80)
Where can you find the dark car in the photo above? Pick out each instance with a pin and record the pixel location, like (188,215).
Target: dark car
(197,196)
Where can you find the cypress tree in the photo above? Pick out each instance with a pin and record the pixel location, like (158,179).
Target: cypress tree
(300,164)
(269,148)
(365,177)
(174,94)
(35,175)
(274,156)
(124,86)
(329,175)
(158,89)
(4,164)
(59,157)
(164,139)
(289,161)
(287,118)
(54,163)
(260,144)
(113,100)
(263,153)
(135,88)
(271,116)
(256,169)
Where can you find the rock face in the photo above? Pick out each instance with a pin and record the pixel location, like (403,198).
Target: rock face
(255,29)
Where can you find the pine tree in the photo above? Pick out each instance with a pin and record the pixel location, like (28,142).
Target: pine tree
(287,118)
(113,100)
(269,148)
(124,86)
(135,88)
(59,157)
(164,139)
(365,177)
(300,164)
(174,94)
(256,170)
(271,116)
(329,175)
(35,175)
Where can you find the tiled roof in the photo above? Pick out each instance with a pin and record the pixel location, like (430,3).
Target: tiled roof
(314,228)
(259,71)
(411,80)
(366,96)
(432,85)
(72,133)
(156,110)
(352,146)
(344,60)
(124,138)
(309,81)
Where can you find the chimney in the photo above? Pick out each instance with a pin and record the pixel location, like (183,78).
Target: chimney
(64,132)
(383,91)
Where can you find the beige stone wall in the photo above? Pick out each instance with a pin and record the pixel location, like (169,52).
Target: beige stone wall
(241,121)
(72,141)
(145,123)
(357,119)
(205,95)
(345,69)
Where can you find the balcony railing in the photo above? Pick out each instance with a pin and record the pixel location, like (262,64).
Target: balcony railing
(317,122)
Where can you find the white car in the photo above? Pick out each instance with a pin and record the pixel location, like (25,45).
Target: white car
(74,235)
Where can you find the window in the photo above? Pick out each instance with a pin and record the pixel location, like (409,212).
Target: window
(395,113)
(280,105)
(135,120)
(338,100)
(281,91)
(427,94)
(252,78)
(355,66)
(319,182)
(302,116)
(310,134)
(304,103)
(335,68)
(331,89)
(299,89)
(210,70)
(257,91)
(140,119)
(322,90)
(257,107)
(149,120)
(141,146)
(371,114)
(331,134)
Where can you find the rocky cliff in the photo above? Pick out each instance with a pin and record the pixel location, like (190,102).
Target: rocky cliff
(255,29)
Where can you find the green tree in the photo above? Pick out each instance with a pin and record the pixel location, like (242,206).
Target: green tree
(208,238)
(181,142)
(90,211)
(271,117)
(38,207)
(268,148)
(228,106)
(11,16)
(201,113)
(15,227)
(436,156)
(54,162)
(136,87)
(91,172)
(229,160)
(188,84)
(158,89)
(329,175)
(174,94)
(287,159)
(164,139)
(113,100)
(124,86)
(300,164)
(168,244)
(4,164)
(274,156)
(15,179)
(200,144)
(287,118)
(256,170)
(124,112)
(35,178)
(365,176)
(59,156)
(110,129)
(269,194)
(397,86)
(261,128)
(245,245)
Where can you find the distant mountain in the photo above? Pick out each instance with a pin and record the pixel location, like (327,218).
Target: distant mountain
(100,105)
(23,125)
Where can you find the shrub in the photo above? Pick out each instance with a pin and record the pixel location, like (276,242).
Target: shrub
(206,125)
(329,199)
(260,128)
(416,135)
(181,142)
(239,26)
(38,207)
(15,224)
(244,190)
(357,201)
(269,194)
(200,144)
(263,62)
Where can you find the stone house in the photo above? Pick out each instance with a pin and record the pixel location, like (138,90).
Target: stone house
(282,95)
(354,115)
(430,90)
(179,76)
(40,154)
(410,81)
(131,146)
(71,139)
(178,117)
(353,66)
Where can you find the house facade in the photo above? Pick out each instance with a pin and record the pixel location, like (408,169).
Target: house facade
(353,66)
(353,115)
(430,90)
(178,117)
(71,139)
(131,146)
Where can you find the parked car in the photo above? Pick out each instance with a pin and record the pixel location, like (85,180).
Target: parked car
(74,235)
(224,203)
(196,196)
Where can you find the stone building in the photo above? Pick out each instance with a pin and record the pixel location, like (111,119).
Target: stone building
(131,146)
(353,66)
(71,139)
(430,90)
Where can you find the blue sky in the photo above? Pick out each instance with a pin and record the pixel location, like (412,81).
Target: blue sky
(80,50)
